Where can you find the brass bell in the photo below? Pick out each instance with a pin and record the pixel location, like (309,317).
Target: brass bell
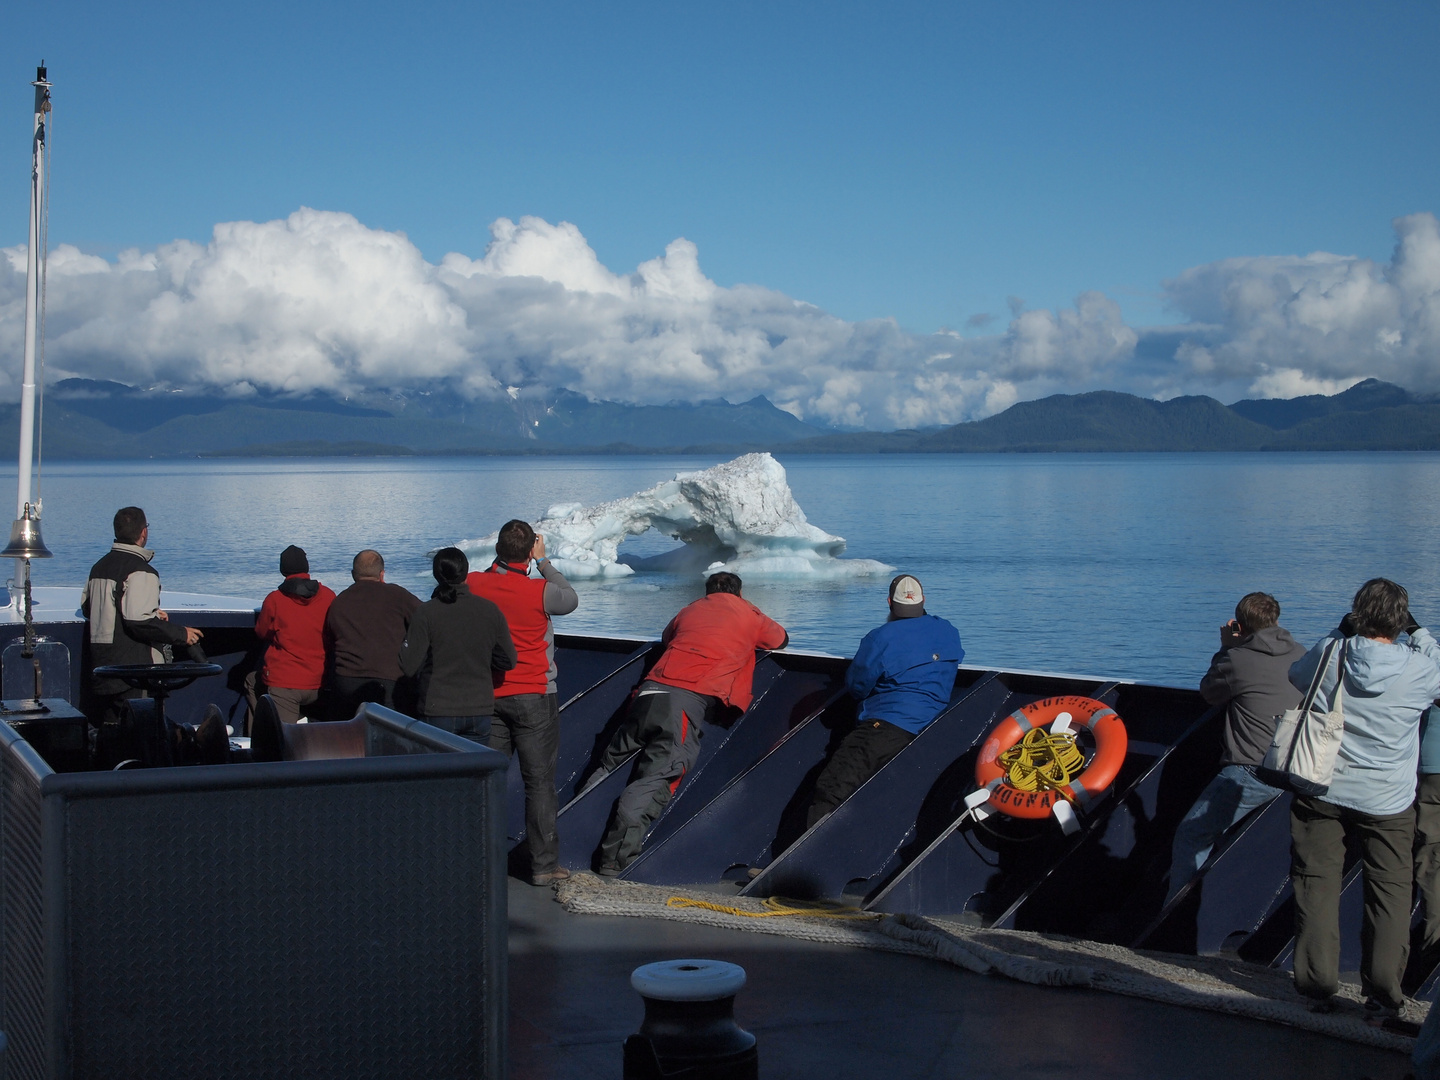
(25,542)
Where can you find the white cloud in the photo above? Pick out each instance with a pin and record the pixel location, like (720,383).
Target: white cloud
(320,301)
(1291,382)
(1316,321)
(1069,345)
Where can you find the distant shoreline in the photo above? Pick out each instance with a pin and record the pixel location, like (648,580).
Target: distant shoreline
(109,421)
(404,454)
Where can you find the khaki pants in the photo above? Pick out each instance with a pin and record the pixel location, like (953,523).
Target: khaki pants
(1318,831)
(288,703)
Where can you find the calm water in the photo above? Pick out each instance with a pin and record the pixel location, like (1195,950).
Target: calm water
(1121,565)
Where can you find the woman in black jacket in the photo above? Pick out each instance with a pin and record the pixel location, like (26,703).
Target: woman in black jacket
(453,642)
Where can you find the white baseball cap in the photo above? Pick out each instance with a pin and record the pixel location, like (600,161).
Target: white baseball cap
(906,591)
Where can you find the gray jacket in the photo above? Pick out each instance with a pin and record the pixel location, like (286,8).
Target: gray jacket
(1251,678)
(121,604)
(1387,687)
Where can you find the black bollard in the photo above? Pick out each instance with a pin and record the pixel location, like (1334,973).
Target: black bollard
(689,1031)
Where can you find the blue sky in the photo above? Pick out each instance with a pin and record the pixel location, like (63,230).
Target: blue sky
(925,162)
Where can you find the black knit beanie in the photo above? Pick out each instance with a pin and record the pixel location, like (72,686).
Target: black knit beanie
(293,561)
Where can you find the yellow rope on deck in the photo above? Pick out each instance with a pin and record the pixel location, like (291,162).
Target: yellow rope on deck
(776,906)
(1042,761)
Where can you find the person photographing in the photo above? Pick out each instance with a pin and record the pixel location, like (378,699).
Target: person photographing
(1250,677)
(1389,668)
(527,709)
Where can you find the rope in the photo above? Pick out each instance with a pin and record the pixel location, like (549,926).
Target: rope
(1218,984)
(1042,761)
(776,906)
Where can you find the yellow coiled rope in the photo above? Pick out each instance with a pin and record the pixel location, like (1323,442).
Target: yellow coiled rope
(1042,761)
(776,906)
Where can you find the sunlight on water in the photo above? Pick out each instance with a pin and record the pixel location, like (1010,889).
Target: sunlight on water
(1122,565)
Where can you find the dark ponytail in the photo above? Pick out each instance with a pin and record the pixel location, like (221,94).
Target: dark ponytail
(450,567)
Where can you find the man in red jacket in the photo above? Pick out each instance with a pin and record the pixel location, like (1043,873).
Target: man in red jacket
(527,714)
(708,663)
(292,624)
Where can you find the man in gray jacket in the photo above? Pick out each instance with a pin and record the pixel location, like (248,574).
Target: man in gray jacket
(1250,677)
(125,623)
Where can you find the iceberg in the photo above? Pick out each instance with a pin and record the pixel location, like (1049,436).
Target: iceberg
(738,516)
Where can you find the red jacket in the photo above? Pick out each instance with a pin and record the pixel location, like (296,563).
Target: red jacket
(527,604)
(710,647)
(292,623)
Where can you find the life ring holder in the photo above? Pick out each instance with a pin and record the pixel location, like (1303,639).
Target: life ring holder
(996,793)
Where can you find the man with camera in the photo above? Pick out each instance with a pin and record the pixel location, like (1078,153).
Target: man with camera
(527,704)
(1250,676)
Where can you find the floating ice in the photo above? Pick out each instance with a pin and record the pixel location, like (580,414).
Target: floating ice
(738,516)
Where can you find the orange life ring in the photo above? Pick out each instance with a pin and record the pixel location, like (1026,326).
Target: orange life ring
(1110,747)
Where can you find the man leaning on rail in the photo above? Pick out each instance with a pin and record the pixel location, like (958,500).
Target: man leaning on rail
(903,673)
(708,663)
(1250,676)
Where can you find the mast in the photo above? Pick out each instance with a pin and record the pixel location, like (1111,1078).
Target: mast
(32,292)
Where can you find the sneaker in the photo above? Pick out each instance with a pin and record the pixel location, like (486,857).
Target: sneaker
(550,877)
(1377,1012)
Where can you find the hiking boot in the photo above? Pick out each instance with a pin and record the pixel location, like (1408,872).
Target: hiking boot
(608,870)
(550,877)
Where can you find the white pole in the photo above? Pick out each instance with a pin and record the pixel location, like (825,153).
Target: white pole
(32,291)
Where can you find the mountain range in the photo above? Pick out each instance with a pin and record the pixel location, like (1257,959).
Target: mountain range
(86,418)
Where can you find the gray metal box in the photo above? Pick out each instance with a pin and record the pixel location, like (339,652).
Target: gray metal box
(337,918)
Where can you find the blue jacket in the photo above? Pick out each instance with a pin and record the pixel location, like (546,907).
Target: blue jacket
(1387,687)
(904,671)
(1430,741)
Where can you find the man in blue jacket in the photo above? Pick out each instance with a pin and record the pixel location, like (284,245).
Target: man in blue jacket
(903,673)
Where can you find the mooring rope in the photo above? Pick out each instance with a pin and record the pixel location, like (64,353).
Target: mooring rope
(776,906)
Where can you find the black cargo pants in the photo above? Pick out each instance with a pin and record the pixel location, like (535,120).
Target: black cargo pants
(664,726)
(862,753)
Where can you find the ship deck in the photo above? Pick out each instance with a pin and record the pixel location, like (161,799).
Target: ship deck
(826,1010)
(896,846)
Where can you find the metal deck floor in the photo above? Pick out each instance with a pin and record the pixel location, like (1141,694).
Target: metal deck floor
(825,1011)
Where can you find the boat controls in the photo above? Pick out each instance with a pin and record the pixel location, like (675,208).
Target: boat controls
(145,738)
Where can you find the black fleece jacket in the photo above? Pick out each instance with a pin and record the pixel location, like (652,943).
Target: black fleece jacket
(453,647)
